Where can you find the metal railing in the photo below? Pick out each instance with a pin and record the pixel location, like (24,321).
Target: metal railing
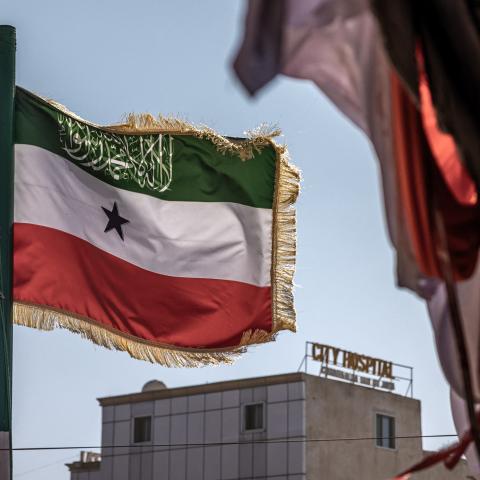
(402,375)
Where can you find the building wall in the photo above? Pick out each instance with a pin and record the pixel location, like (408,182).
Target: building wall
(338,409)
(213,418)
(86,475)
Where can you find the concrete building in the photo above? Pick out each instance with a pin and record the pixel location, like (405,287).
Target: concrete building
(280,427)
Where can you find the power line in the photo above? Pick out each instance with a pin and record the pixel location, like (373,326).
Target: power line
(246,442)
(42,467)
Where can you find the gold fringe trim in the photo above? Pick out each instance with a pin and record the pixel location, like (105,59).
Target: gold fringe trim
(47,319)
(245,148)
(284,241)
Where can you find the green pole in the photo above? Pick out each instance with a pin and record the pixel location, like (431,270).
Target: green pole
(7,94)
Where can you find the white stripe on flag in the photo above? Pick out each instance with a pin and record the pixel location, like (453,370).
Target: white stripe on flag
(217,240)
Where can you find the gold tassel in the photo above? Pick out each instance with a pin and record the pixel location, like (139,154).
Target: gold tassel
(146,123)
(284,238)
(43,318)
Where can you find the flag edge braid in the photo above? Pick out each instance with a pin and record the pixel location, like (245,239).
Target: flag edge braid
(286,189)
(284,240)
(48,318)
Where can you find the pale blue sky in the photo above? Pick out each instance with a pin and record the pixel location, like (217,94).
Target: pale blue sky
(105,58)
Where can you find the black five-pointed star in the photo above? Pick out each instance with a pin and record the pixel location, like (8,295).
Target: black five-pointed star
(115,221)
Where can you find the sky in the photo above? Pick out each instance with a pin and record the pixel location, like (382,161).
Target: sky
(106,58)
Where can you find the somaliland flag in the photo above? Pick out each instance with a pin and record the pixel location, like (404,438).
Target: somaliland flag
(154,237)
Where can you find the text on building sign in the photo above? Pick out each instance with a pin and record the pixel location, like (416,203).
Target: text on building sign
(354,361)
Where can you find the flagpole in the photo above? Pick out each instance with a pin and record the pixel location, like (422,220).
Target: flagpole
(7,93)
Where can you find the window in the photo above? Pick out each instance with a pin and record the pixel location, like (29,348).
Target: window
(142,429)
(385,431)
(253,417)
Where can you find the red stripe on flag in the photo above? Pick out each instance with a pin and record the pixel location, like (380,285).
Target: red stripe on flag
(56,269)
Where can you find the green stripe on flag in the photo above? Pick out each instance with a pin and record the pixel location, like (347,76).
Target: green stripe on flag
(195,171)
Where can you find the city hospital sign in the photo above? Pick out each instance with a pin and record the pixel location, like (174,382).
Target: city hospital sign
(354,367)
